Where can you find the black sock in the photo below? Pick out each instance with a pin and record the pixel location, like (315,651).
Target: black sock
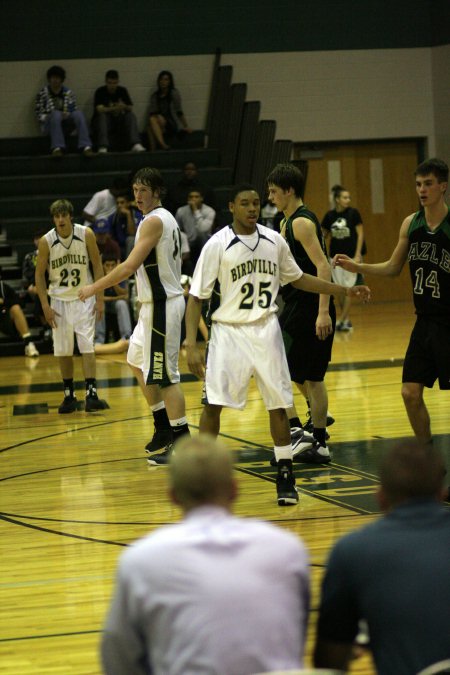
(319,435)
(295,422)
(161,420)
(91,386)
(68,387)
(26,338)
(180,431)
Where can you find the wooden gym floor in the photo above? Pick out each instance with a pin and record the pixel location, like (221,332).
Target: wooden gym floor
(76,489)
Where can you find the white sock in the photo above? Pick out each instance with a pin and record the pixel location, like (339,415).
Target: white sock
(179,422)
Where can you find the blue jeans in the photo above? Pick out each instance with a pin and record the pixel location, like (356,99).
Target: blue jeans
(121,309)
(122,128)
(53,127)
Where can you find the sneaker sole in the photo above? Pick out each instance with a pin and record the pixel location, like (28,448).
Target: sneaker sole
(151,462)
(99,405)
(287,501)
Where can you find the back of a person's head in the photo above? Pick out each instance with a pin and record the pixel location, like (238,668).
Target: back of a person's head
(411,470)
(56,71)
(201,472)
(61,207)
(287,175)
(437,167)
(151,178)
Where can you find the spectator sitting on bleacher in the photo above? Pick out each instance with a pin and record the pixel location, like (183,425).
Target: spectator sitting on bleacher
(103,203)
(178,193)
(29,282)
(57,113)
(107,246)
(123,223)
(114,121)
(116,303)
(196,220)
(167,119)
(13,319)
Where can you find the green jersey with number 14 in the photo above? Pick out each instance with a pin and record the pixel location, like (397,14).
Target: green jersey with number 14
(429,265)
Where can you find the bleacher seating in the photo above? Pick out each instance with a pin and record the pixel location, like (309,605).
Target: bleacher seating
(235,147)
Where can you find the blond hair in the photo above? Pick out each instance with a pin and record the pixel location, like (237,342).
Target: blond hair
(201,472)
(61,207)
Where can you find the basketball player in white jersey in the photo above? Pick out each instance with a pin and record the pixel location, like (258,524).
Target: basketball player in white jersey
(242,267)
(65,254)
(155,342)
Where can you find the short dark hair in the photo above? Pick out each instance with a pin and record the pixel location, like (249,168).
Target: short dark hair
(411,470)
(56,71)
(337,190)
(435,166)
(287,176)
(108,257)
(151,178)
(242,187)
(196,189)
(123,193)
(119,183)
(61,207)
(112,75)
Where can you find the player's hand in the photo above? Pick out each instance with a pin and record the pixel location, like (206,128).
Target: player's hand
(196,362)
(86,292)
(324,326)
(360,292)
(50,316)
(342,260)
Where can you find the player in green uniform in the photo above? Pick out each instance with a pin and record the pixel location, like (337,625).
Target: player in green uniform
(307,320)
(424,240)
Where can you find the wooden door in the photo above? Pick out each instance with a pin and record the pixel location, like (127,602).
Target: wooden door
(380,178)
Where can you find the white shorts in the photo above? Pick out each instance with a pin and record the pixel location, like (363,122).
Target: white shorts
(342,277)
(76,317)
(238,351)
(155,342)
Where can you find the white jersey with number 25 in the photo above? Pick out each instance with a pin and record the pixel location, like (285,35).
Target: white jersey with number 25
(245,273)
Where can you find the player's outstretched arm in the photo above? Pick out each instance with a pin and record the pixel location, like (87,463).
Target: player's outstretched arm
(150,235)
(315,285)
(388,268)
